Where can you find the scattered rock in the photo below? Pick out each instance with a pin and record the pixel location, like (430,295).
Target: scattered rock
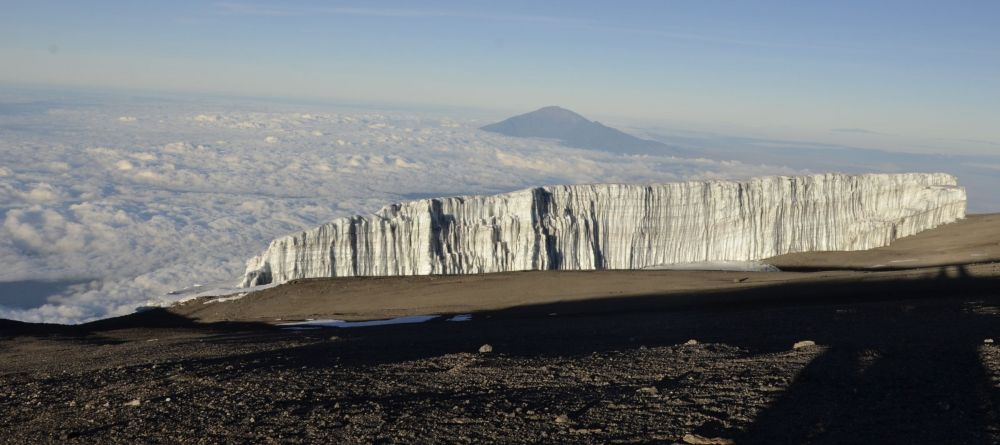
(585,430)
(562,418)
(486,348)
(691,342)
(695,439)
(803,344)
(648,390)
(133,402)
(988,341)
(334,338)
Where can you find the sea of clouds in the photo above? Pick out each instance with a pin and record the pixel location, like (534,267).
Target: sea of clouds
(106,207)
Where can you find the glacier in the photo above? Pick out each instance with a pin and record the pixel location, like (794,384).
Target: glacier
(617,226)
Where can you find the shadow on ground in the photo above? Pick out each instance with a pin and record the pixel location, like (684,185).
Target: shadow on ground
(897,378)
(902,360)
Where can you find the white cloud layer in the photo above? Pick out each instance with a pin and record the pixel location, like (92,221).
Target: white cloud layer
(126,210)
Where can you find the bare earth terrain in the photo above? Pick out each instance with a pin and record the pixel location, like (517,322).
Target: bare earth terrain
(901,355)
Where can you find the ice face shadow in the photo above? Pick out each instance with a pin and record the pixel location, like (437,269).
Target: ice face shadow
(29,294)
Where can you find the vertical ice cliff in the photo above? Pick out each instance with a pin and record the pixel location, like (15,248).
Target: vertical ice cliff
(617,226)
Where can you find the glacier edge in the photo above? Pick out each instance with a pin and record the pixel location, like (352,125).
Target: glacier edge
(617,226)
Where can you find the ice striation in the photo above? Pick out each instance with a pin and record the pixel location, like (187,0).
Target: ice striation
(617,226)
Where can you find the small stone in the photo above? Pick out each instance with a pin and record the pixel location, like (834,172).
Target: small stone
(694,439)
(562,418)
(988,341)
(133,402)
(648,390)
(691,342)
(803,344)
(486,349)
(334,338)
(585,430)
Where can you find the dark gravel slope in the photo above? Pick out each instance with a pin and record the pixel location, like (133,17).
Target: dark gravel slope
(900,363)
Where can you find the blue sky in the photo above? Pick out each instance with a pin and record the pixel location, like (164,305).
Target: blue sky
(915,69)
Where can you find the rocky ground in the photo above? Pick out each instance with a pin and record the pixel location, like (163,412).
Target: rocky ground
(909,362)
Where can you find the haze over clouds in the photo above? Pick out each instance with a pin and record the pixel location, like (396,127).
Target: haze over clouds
(927,72)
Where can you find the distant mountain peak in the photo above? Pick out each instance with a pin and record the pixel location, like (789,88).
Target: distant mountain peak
(557,112)
(574,130)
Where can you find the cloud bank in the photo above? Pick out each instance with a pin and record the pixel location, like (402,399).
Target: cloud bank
(117,213)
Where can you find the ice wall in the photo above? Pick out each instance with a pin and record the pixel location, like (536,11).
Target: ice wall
(617,226)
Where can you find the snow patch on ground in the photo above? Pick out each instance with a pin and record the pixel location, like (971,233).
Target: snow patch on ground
(330,323)
(225,299)
(733,266)
(225,293)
